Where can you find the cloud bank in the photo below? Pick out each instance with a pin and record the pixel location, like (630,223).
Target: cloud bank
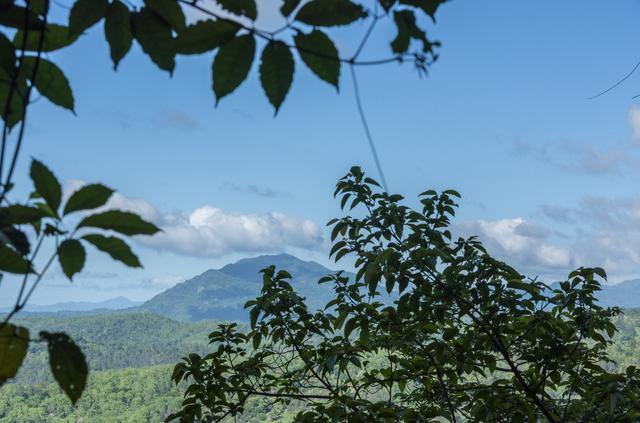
(209,231)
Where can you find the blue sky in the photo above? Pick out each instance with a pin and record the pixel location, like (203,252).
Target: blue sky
(548,177)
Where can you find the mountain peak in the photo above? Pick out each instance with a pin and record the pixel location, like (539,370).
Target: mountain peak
(249,268)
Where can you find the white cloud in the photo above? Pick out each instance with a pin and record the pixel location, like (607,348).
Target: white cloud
(212,232)
(634,121)
(521,244)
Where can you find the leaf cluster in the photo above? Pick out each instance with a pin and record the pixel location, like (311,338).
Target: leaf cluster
(466,337)
(71,225)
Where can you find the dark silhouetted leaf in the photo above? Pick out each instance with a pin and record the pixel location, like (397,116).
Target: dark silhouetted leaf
(14,17)
(155,38)
(72,256)
(18,214)
(55,37)
(320,54)
(117,30)
(205,36)
(276,72)
(407,29)
(232,64)
(330,12)
(126,223)
(86,13)
(15,237)
(430,7)
(88,197)
(50,81)
(240,7)
(12,104)
(14,341)
(46,184)
(288,7)
(68,364)
(115,247)
(12,262)
(7,55)
(170,11)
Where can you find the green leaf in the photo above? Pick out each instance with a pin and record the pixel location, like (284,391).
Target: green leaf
(55,37)
(320,54)
(117,31)
(67,363)
(240,7)
(288,7)
(46,184)
(7,55)
(12,109)
(50,81)
(14,17)
(86,13)
(205,36)
(88,197)
(18,214)
(15,237)
(430,7)
(14,341)
(12,262)
(72,257)
(115,247)
(126,223)
(170,11)
(155,38)
(232,64)
(276,72)
(330,12)
(407,29)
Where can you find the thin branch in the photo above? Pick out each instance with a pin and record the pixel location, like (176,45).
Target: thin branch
(365,125)
(627,76)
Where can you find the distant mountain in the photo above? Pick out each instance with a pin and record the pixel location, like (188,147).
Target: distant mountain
(118,303)
(624,294)
(221,294)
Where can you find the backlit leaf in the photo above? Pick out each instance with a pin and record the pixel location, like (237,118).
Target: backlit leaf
(115,247)
(330,12)
(55,37)
(320,54)
(117,30)
(170,11)
(50,81)
(72,256)
(86,13)
(68,364)
(14,341)
(232,64)
(88,197)
(126,223)
(204,36)
(46,184)
(276,72)
(155,38)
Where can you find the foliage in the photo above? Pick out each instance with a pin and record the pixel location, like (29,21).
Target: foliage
(45,215)
(117,340)
(468,339)
(113,340)
(160,28)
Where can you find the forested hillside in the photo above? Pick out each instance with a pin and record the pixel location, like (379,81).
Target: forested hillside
(221,294)
(114,341)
